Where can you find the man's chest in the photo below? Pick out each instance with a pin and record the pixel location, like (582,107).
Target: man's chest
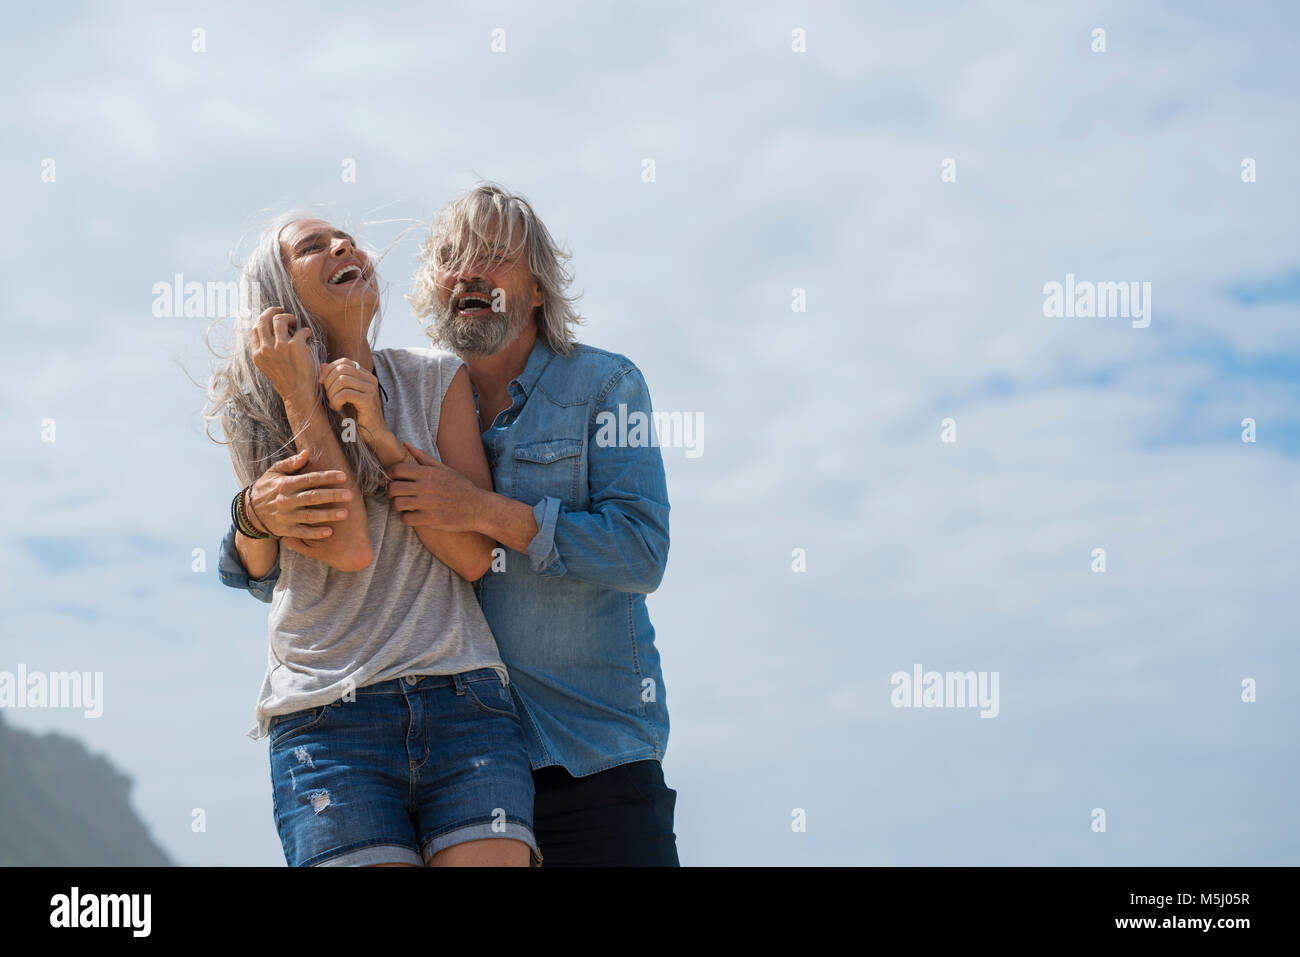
(537,450)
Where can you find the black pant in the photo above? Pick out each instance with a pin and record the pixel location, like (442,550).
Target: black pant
(619,817)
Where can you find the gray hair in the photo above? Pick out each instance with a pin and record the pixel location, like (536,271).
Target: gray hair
(251,412)
(462,232)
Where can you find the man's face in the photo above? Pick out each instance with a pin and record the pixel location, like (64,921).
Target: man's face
(482,307)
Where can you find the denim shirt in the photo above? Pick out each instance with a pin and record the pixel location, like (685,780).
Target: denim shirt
(570,617)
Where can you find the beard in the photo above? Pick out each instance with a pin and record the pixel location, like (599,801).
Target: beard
(481,335)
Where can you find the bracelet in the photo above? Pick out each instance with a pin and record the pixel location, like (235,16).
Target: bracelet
(239,511)
(234,511)
(247,504)
(237,516)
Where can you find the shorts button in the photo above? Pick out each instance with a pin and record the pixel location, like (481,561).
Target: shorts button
(411,679)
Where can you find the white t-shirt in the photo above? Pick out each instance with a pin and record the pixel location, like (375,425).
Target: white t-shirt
(407,613)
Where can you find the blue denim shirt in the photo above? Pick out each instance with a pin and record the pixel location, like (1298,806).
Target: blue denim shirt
(570,617)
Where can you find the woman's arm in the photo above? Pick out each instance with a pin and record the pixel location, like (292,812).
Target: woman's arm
(296,507)
(620,540)
(283,357)
(461,448)
(469,554)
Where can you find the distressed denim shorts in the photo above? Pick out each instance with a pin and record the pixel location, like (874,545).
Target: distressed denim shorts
(412,766)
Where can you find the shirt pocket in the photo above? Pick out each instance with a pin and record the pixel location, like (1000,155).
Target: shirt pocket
(548,469)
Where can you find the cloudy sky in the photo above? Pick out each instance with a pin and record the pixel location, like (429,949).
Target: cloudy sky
(774,171)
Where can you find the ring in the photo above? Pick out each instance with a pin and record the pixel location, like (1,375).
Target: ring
(356,363)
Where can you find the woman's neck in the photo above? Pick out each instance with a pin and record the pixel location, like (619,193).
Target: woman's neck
(358,350)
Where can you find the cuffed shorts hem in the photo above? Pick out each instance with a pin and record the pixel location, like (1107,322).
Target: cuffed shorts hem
(373,854)
(482,831)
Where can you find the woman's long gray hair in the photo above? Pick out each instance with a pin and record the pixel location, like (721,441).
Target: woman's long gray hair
(251,412)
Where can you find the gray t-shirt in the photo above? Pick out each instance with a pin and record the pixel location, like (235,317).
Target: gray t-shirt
(407,613)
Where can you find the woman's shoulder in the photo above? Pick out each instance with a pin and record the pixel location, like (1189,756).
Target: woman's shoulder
(412,361)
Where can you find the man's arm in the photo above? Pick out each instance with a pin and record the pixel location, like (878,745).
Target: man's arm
(292,506)
(233,573)
(620,541)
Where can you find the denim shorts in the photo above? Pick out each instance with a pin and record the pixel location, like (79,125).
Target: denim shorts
(412,766)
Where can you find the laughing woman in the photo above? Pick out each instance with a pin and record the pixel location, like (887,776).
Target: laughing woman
(393,735)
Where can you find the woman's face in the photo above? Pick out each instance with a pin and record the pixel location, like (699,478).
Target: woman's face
(334,280)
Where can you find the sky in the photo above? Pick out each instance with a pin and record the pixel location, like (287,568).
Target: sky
(913,176)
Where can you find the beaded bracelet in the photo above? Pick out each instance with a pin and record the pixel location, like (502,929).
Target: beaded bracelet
(239,515)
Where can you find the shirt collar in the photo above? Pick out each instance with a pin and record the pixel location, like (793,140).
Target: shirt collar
(538,359)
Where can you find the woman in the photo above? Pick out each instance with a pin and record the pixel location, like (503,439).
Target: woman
(394,737)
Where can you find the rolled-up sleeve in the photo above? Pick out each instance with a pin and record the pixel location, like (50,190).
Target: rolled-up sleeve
(542,553)
(233,574)
(621,540)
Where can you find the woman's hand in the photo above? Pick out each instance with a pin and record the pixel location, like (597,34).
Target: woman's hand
(346,383)
(282,355)
(291,506)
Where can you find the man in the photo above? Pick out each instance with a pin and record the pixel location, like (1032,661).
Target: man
(584,518)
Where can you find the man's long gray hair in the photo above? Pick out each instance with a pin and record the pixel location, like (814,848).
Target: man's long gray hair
(489,215)
(251,412)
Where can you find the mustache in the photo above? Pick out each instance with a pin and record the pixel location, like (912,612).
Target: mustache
(478,288)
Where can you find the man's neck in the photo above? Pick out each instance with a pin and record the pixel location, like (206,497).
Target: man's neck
(491,375)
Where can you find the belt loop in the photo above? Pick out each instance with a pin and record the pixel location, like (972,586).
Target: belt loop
(459,682)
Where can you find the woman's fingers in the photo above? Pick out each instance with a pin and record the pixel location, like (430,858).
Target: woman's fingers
(265,325)
(280,322)
(262,324)
(261,334)
(341,397)
(333,376)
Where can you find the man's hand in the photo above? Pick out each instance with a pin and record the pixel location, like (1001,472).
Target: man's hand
(298,507)
(431,495)
(346,383)
(282,355)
